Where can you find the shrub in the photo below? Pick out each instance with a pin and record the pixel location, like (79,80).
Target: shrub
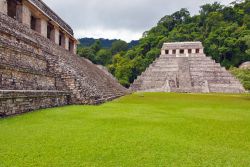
(243,75)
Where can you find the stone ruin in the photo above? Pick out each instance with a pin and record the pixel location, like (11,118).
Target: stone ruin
(245,65)
(183,67)
(39,67)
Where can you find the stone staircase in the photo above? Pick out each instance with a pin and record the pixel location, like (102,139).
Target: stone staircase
(218,78)
(37,73)
(195,73)
(184,78)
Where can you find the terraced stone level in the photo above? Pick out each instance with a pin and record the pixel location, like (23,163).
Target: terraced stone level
(186,72)
(36,71)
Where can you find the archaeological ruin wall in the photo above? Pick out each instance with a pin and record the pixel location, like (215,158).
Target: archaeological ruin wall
(183,67)
(36,72)
(245,65)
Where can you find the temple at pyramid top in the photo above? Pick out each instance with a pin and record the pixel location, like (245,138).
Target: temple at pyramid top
(182,49)
(183,67)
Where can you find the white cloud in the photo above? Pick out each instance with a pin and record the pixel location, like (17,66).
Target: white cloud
(123,34)
(119,19)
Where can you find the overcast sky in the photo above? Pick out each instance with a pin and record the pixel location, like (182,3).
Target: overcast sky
(120,19)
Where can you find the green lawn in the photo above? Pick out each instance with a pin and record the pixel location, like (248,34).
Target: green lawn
(151,129)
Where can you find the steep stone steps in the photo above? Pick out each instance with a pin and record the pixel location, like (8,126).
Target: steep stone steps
(186,74)
(184,78)
(52,67)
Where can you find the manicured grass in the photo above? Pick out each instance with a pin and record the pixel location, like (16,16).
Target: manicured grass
(151,129)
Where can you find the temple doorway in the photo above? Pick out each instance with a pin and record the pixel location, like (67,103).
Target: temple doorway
(12,8)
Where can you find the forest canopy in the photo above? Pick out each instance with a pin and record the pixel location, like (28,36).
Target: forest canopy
(223,30)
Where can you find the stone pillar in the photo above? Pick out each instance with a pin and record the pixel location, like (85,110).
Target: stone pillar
(170,51)
(53,35)
(201,51)
(26,16)
(23,14)
(177,51)
(57,34)
(41,27)
(193,51)
(3,7)
(66,42)
(38,25)
(74,47)
(163,52)
(185,51)
(19,12)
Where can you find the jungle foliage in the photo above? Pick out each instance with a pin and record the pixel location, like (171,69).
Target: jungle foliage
(223,30)
(243,75)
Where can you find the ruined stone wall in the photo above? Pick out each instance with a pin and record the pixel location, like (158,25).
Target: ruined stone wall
(18,102)
(3,6)
(41,5)
(245,65)
(188,48)
(182,45)
(31,62)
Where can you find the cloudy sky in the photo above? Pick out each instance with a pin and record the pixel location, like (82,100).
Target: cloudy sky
(120,19)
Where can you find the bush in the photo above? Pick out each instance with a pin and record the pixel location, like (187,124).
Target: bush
(243,75)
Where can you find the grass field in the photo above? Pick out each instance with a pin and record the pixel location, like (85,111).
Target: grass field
(151,129)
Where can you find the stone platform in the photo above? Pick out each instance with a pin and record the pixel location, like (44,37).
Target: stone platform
(13,102)
(183,67)
(35,73)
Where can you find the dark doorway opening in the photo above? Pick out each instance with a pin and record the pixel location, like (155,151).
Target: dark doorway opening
(70,46)
(197,51)
(61,39)
(33,23)
(12,8)
(167,52)
(49,30)
(174,51)
(189,51)
(182,51)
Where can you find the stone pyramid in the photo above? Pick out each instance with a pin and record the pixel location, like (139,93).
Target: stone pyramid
(183,67)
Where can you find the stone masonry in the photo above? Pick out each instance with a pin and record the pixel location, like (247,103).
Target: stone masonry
(245,65)
(183,67)
(36,72)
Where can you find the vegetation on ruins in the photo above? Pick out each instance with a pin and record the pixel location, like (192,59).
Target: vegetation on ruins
(223,30)
(152,129)
(243,75)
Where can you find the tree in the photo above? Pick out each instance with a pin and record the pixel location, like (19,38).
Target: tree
(121,68)
(103,57)
(246,39)
(119,46)
(208,8)
(96,46)
(223,30)
(87,53)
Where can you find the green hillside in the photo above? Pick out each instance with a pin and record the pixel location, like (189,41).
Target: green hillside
(223,30)
(104,43)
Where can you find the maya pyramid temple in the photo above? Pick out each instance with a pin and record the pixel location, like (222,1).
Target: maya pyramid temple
(39,67)
(183,67)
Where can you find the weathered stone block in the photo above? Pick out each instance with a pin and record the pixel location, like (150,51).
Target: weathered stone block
(41,27)
(3,6)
